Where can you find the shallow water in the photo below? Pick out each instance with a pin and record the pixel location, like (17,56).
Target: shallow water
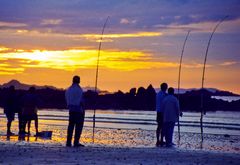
(214,122)
(134,129)
(227,98)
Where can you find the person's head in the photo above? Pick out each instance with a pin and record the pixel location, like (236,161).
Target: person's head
(32,89)
(76,80)
(170,91)
(164,87)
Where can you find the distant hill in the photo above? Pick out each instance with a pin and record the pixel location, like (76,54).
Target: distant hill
(18,85)
(213,91)
(22,86)
(184,90)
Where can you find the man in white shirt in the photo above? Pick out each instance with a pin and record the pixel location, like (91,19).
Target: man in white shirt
(74,99)
(159,98)
(171,112)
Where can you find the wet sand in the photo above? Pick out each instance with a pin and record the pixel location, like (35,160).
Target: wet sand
(115,146)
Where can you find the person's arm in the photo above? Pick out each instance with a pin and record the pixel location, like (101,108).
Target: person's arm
(156,104)
(162,105)
(178,108)
(66,97)
(82,102)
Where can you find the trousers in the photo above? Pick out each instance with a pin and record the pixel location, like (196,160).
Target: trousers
(168,128)
(76,120)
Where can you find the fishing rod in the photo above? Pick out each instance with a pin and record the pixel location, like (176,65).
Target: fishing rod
(203,75)
(96,80)
(179,78)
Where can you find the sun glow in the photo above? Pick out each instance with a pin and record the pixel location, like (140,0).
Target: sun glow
(2,49)
(73,59)
(35,55)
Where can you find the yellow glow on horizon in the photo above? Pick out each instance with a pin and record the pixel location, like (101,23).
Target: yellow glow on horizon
(3,49)
(94,37)
(133,68)
(127,35)
(35,55)
(22,31)
(5,69)
(73,59)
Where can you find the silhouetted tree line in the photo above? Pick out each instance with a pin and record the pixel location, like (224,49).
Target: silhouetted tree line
(191,101)
(135,99)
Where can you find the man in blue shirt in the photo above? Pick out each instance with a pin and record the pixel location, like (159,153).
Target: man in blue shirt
(159,98)
(74,99)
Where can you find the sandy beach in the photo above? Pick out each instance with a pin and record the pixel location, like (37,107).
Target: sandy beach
(114,146)
(119,147)
(30,153)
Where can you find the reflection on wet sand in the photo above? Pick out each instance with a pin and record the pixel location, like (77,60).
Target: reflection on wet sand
(119,138)
(23,137)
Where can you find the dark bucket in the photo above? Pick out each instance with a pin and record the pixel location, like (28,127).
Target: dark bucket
(45,134)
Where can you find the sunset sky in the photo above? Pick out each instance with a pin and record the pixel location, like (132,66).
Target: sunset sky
(46,42)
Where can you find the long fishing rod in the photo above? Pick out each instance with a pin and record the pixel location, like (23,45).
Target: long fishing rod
(179,78)
(96,80)
(203,75)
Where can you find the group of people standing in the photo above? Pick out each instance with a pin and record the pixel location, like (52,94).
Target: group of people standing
(167,107)
(26,108)
(168,112)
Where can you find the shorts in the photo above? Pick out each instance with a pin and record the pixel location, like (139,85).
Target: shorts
(10,116)
(160,118)
(30,117)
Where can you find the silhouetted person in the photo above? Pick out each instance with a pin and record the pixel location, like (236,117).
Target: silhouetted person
(20,120)
(18,109)
(29,113)
(159,98)
(10,108)
(74,99)
(171,112)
